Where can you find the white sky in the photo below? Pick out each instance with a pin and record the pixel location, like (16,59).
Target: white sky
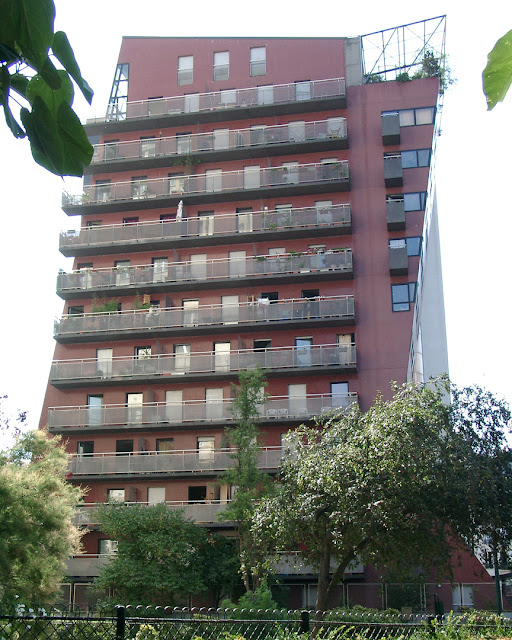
(474,172)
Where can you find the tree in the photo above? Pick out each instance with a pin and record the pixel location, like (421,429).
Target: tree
(497,75)
(251,484)
(57,138)
(384,486)
(162,556)
(484,422)
(36,531)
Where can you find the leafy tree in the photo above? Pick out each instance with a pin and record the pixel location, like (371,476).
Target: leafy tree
(484,422)
(162,556)
(384,486)
(251,484)
(36,531)
(497,75)
(57,138)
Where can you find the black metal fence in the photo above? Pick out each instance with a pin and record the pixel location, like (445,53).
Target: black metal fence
(165,623)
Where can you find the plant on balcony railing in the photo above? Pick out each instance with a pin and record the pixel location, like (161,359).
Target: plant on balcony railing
(100,304)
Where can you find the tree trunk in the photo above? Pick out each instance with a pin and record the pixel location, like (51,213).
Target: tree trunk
(323,574)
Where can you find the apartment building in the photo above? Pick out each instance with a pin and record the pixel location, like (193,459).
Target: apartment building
(251,202)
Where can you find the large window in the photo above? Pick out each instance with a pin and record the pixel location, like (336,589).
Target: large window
(221,65)
(412,243)
(415,158)
(402,295)
(258,61)
(415,201)
(107,547)
(412,117)
(185,70)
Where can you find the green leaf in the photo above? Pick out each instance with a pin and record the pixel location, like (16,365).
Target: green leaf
(37,86)
(7,55)
(77,148)
(64,54)
(27,27)
(43,133)
(5,83)
(497,75)
(19,83)
(49,72)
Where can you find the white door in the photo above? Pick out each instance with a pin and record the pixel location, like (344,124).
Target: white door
(134,408)
(156,495)
(205,449)
(190,312)
(222,352)
(221,138)
(160,269)
(244,222)
(122,273)
(229,311)
(297,401)
(213,179)
(345,348)
(94,410)
(237,261)
(291,175)
(252,177)
(297,131)
(266,94)
(303,351)
(104,362)
(339,394)
(181,358)
(206,222)
(191,102)
(214,398)
(174,405)
(323,211)
(198,266)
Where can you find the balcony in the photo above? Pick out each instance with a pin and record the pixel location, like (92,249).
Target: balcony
(390,128)
(214,186)
(398,260)
(208,365)
(199,512)
(395,214)
(393,175)
(174,463)
(158,415)
(210,319)
(254,142)
(216,106)
(254,226)
(206,274)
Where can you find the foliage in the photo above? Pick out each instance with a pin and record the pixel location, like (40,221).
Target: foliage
(497,75)
(485,422)
(251,484)
(260,598)
(403,77)
(102,305)
(384,486)
(36,531)
(433,66)
(57,138)
(161,555)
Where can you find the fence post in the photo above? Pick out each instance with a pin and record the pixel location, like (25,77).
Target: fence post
(121,622)
(304,621)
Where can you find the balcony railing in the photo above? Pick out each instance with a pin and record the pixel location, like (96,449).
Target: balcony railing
(221,182)
(155,462)
(226,140)
(241,224)
(227,99)
(199,512)
(157,367)
(281,408)
(157,320)
(160,275)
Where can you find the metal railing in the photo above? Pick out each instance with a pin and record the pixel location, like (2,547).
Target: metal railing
(209,362)
(227,99)
(216,181)
(280,408)
(217,315)
(337,215)
(167,462)
(200,512)
(222,140)
(217,269)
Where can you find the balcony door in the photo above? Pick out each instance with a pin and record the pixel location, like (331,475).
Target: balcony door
(181,358)
(252,177)
(229,311)
(174,405)
(156,495)
(206,450)
(160,269)
(94,411)
(297,131)
(339,394)
(297,400)
(303,351)
(134,408)
(222,356)
(345,347)
(190,313)
(104,362)
(214,407)
(198,266)
(237,262)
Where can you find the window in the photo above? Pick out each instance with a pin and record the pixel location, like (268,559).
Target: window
(213,179)
(258,57)
(228,96)
(266,94)
(197,494)
(181,358)
(142,353)
(111,149)
(221,65)
(411,117)
(94,410)
(93,223)
(335,128)
(85,448)
(102,188)
(107,547)
(160,269)
(164,445)
(402,295)
(156,495)
(415,158)
(122,268)
(413,244)
(76,310)
(251,177)
(130,221)
(261,345)
(415,201)
(124,447)
(303,351)
(134,404)
(185,70)
(147,146)
(339,394)
(176,183)
(206,223)
(115,495)
(191,102)
(190,312)
(244,219)
(220,139)
(139,187)
(183,142)
(271,296)
(205,449)
(310,293)
(303,90)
